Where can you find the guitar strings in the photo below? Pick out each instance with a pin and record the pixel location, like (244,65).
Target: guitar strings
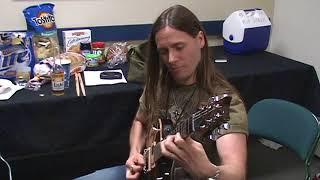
(183,123)
(184,126)
(197,115)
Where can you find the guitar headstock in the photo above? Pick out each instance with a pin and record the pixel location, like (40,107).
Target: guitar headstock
(212,115)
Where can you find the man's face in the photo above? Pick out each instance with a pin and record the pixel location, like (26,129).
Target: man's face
(180,52)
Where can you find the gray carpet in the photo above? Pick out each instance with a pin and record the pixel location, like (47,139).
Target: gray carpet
(265,163)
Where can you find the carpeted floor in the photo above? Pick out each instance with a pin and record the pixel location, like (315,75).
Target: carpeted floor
(265,163)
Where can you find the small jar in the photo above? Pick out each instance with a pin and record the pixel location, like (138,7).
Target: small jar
(99,48)
(85,48)
(92,60)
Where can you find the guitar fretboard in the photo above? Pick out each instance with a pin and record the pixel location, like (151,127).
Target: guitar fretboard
(186,127)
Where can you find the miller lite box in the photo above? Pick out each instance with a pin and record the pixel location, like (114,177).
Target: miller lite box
(15,50)
(73,38)
(246,31)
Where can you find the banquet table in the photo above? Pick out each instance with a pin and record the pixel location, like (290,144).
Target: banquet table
(50,137)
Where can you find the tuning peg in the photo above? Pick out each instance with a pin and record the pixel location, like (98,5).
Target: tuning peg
(225,126)
(209,120)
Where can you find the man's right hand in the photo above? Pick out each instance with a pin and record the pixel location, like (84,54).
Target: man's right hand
(134,164)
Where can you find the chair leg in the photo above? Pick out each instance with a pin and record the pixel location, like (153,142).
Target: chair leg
(307,172)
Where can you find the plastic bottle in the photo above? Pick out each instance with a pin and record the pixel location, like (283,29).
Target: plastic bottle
(57,79)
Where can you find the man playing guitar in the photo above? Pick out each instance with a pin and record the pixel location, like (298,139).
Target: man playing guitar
(180,78)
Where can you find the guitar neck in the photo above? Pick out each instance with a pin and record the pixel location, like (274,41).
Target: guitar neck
(187,126)
(184,127)
(157,151)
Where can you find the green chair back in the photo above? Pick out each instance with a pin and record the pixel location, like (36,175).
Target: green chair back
(288,124)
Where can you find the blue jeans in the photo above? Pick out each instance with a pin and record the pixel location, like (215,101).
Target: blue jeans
(112,173)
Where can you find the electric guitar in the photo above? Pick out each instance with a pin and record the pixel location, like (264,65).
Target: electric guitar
(202,123)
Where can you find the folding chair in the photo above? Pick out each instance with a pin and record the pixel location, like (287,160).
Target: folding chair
(288,124)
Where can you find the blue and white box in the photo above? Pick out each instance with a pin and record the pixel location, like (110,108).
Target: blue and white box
(246,31)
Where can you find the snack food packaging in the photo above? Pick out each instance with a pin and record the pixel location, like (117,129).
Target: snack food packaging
(45,45)
(43,68)
(73,38)
(41,23)
(117,54)
(15,50)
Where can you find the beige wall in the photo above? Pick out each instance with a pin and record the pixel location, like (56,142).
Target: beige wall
(295,31)
(83,13)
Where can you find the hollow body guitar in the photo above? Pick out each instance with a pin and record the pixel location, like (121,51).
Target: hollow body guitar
(202,123)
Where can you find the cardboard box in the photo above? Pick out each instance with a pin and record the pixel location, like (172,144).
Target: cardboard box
(73,38)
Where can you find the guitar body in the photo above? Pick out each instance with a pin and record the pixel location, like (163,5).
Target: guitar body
(161,171)
(161,167)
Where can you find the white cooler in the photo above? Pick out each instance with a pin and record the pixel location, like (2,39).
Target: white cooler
(246,31)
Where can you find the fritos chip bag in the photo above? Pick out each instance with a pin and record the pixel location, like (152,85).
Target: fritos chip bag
(41,22)
(15,48)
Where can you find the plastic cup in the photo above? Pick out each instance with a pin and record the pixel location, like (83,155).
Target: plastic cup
(65,63)
(22,75)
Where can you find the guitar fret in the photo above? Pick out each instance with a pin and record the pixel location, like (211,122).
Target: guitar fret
(183,131)
(187,127)
(157,152)
(190,125)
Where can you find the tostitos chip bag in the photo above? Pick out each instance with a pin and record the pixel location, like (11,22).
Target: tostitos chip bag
(40,18)
(41,23)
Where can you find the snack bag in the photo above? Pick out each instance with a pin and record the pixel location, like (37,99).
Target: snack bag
(15,50)
(41,22)
(117,54)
